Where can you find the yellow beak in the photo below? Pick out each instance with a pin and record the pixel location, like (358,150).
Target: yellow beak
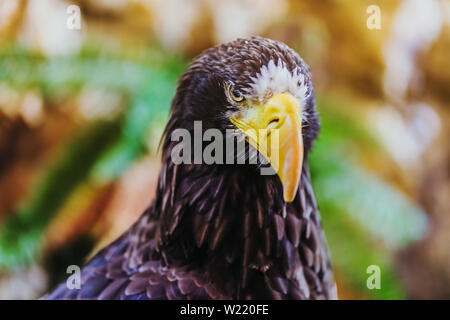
(275,130)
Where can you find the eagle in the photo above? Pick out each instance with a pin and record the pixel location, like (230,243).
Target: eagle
(221,230)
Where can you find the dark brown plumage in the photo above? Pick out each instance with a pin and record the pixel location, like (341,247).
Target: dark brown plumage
(221,231)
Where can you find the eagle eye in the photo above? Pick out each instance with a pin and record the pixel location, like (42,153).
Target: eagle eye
(233,94)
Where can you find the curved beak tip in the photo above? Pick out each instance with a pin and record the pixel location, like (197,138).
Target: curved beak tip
(286,152)
(288,197)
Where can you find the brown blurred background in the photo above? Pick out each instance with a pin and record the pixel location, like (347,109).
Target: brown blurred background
(82,111)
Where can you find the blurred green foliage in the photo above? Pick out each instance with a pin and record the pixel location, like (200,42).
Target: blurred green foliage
(20,234)
(365,219)
(104,149)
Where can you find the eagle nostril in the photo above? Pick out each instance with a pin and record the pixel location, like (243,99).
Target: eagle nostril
(273,123)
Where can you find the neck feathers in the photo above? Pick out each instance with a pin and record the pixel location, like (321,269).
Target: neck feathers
(236,224)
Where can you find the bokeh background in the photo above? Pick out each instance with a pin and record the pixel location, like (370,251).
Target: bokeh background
(82,111)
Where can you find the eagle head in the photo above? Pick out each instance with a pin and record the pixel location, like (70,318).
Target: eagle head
(257,86)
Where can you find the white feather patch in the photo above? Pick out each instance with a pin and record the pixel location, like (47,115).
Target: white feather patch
(275,78)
